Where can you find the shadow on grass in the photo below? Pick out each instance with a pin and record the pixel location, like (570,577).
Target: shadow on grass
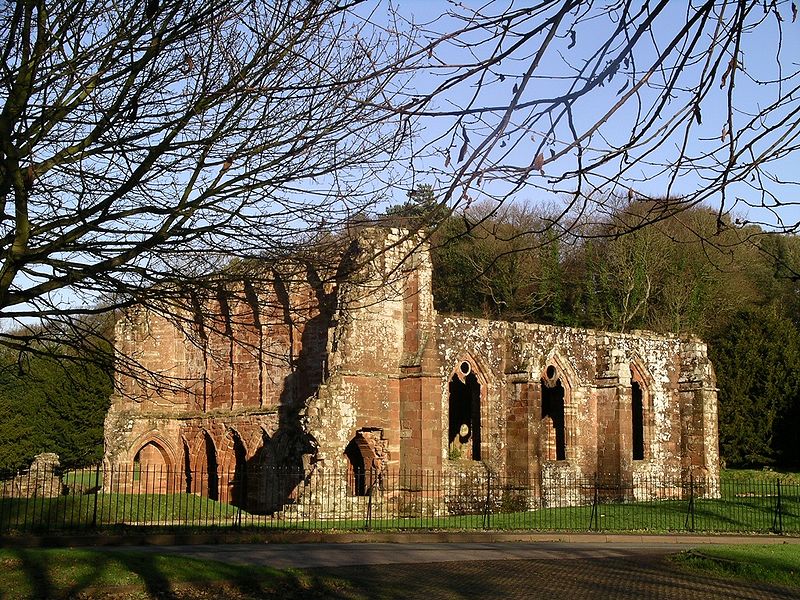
(55,574)
(34,565)
(773,564)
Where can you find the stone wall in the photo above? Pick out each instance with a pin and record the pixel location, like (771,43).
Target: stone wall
(366,375)
(41,480)
(203,394)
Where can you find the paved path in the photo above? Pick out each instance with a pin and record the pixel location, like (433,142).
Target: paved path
(641,577)
(569,571)
(307,556)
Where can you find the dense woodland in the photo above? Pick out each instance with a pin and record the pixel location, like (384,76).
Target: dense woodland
(645,266)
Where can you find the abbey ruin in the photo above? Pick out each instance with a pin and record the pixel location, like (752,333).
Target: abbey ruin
(363,376)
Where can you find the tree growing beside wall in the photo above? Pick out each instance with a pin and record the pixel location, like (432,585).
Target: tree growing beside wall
(736,289)
(144,146)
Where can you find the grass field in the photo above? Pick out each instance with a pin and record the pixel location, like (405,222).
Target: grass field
(86,510)
(747,502)
(778,564)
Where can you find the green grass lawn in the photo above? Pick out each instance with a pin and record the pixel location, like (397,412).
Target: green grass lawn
(69,573)
(747,503)
(83,478)
(757,475)
(772,563)
(84,510)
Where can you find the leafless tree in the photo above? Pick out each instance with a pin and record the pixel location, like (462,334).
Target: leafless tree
(695,101)
(147,144)
(144,145)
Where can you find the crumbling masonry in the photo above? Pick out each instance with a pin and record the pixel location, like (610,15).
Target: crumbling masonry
(366,377)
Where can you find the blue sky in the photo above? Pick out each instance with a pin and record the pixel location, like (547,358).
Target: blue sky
(770,49)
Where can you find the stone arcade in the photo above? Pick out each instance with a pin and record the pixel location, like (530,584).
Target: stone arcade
(367,377)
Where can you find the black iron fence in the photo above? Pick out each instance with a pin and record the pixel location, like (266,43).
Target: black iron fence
(280,499)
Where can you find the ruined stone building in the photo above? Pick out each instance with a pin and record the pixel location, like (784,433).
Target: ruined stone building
(366,375)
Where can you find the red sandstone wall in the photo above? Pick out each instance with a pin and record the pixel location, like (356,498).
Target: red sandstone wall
(207,397)
(246,382)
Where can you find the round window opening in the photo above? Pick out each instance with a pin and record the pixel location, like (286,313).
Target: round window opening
(465,368)
(551,372)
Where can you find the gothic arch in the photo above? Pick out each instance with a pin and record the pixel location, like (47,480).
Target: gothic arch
(153,466)
(205,468)
(165,448)
(564,368)
(264,456)
(186,466)
(232,461)
(642,413)
(467,410)
(364,462)
(231,439)
(557,380)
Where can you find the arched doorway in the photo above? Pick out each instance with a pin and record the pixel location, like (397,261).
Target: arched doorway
(363,462)
(152,469)
(238,484)
(204,474)
(187,468)
(212,474)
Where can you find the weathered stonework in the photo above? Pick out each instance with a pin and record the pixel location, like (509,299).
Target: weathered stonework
(367,376)
(41,480)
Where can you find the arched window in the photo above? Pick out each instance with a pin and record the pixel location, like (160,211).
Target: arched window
(642,417)
(464,431)
(637,418)
(553,418)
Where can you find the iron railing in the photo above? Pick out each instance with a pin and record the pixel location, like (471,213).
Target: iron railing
(281,499)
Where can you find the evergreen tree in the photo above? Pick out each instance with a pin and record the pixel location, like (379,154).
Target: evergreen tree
(53,405)
(757,360)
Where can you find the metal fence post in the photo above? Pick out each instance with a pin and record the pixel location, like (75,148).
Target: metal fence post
(594,517)
(487,508)
(690,513)
(96,494)
(368,520)
(777,521)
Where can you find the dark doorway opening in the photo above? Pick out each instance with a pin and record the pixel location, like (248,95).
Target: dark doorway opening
(363,464)
(239,483)
(357,469)
(187,469)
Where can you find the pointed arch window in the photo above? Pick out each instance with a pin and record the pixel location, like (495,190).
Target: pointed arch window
(555,437)
(641,414)
(464,409)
